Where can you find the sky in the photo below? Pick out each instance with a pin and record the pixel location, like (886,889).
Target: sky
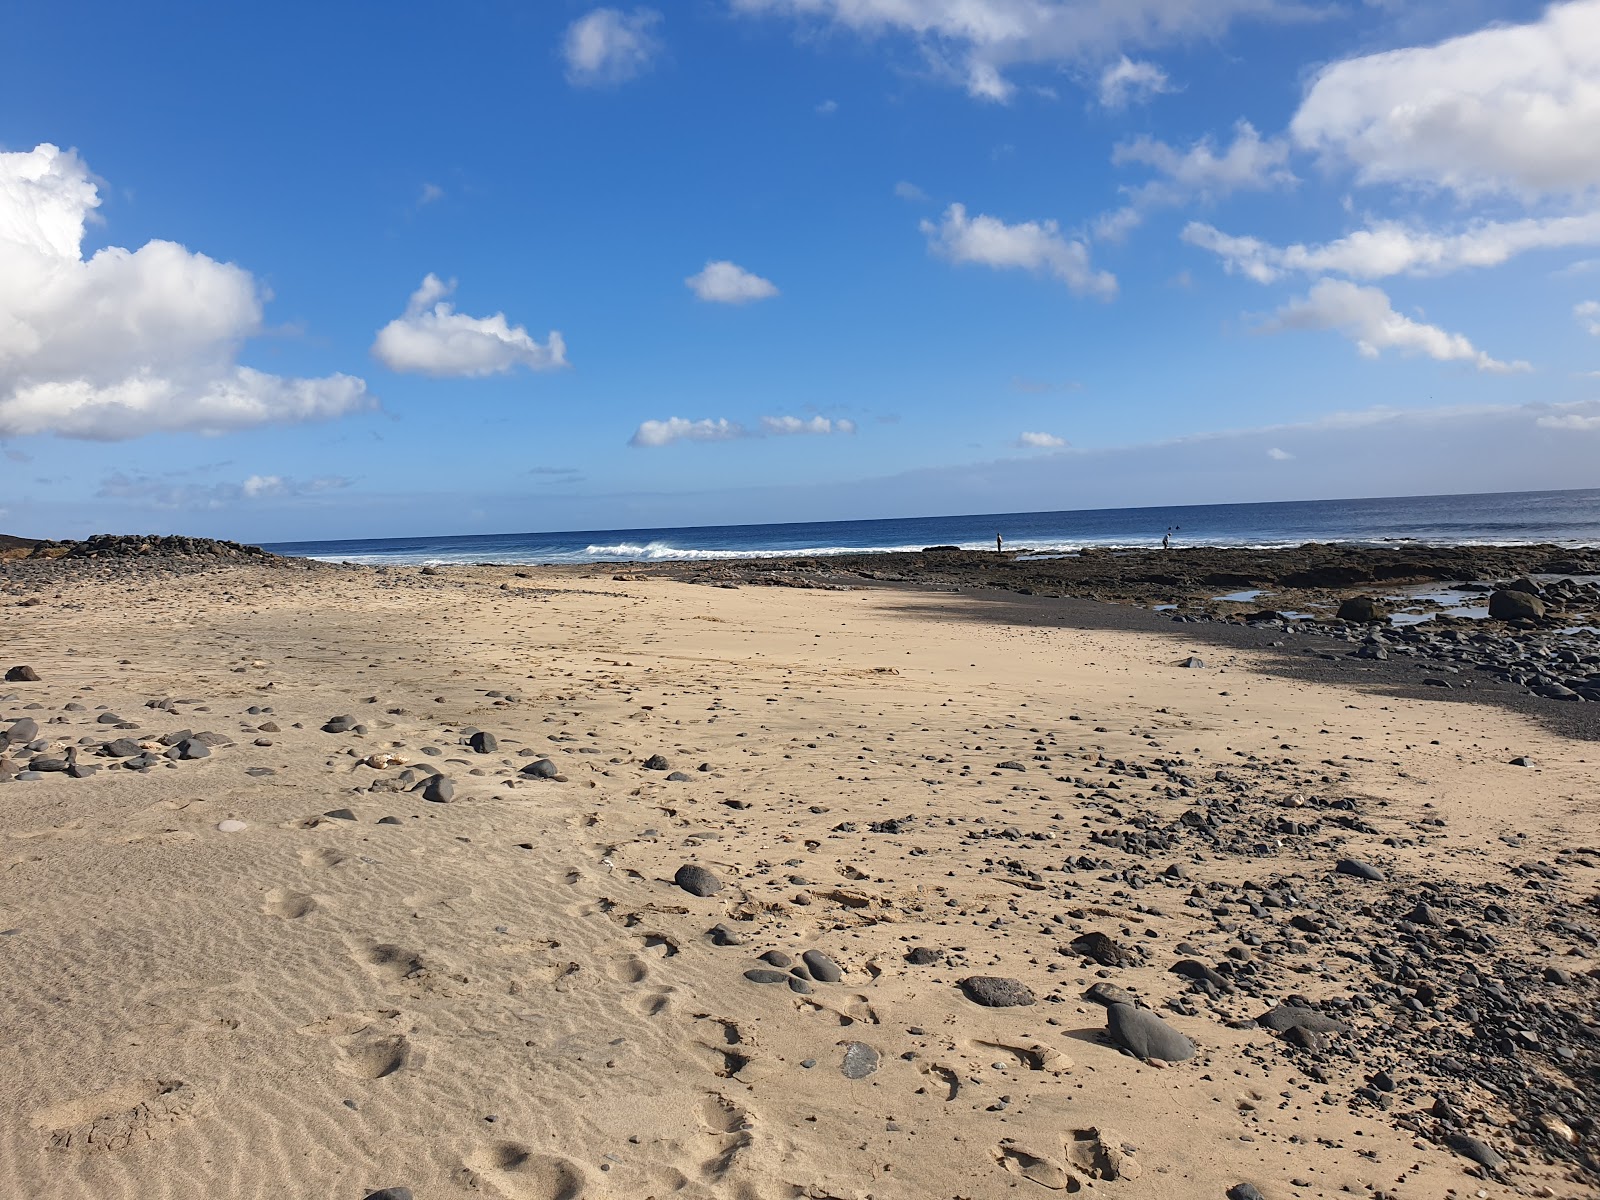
(291,272)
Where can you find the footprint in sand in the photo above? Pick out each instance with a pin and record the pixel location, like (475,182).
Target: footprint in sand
(393,963)
(630,970)
(281,902)
(727,1128)
(325,857)
(942,1078)
(369,1057)
(130,1115)
(657,1002)
(518,1173)
(1033,1057)
(725,1043)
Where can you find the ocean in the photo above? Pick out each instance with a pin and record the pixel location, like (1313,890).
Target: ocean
(1570,518)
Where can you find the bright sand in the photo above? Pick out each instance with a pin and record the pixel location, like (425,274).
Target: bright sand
(507,996)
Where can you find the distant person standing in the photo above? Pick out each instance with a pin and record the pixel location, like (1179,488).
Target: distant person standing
(999,542)
(1166,540)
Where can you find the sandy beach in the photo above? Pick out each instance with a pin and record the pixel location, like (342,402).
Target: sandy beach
(286,960)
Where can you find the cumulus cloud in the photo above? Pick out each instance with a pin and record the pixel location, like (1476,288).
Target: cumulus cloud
(127,342)
(910,192)
(1366,317)
(1127,82)
(680,429)
(1571,422)
(609,46)
(431,338)
(976,41)
(1510,108)
(723,282)
(785,426)
(1278,454)
(149,492)
(1036,246)
(1041,441)
(1249,163)
(1587,314)
(1393,248)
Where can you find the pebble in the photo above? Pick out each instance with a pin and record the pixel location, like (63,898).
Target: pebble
(22,675)
(1479,1152)
(822,968)
(996,991)
(1357,869)
(1146,1035)
(439,789)
(860,1060)
(231,826)
(543,769)
(483,742)
(761,975)
(696,880)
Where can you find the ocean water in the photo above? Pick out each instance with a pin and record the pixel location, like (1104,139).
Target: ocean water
(1564,518)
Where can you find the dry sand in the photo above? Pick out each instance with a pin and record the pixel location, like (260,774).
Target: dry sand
(508,996)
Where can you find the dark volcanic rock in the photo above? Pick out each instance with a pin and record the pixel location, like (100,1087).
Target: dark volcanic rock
(1104,949)
(438,789)
(1109,994)
(1146,1035)
(1479,1152)
(483,742)
(996,991)
(20,734)
(822,967)
(1288,1016)
(697,881)
(1357,869)
(1509,605)
(543,769)
(1362,610)
(656,763)
(22,675)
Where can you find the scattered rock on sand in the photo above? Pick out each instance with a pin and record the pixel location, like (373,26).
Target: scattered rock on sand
(21,733)
(656,762)
(1288,1016)
(231,826)
(696,880)
(543,769)
(822,967)
(1479,1152)
(860,1060)
(1357,869)
(22,675)
(483,742)
(1362,610)
(439,789)
(996,991)
(1103,1154)
(1146,1035)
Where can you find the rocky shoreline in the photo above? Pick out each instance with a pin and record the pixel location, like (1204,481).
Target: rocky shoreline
(1540,633)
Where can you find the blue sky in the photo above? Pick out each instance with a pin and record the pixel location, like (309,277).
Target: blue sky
(491,267)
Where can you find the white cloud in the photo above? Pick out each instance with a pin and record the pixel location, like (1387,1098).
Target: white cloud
(1392,248)
(1365,315)
(1041,441)
(1587,314)
(1510,108)
(127,342)
(1250,163)
(783,426)
(680,429)
(1572,422)
(150,492)
(1127,81)
(910,192)
(608,46)
(827,108)
(976,41)
(1030,246)
(723,282)
(431,338)
(430,193)
(1277,454)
